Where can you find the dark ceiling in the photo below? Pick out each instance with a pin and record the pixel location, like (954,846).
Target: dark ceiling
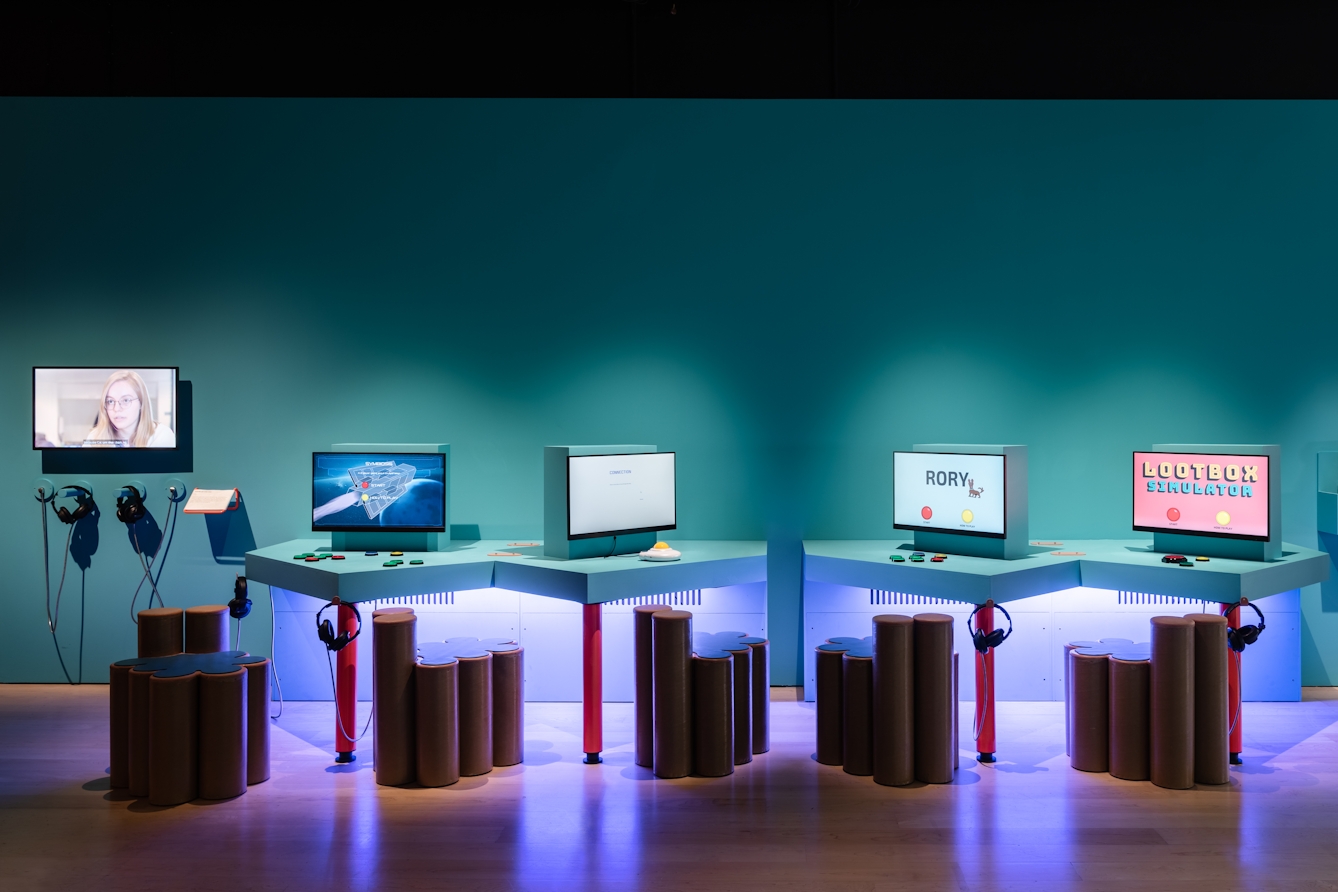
(662,48)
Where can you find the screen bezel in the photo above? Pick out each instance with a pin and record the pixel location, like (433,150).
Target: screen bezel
(608,533)
(376,527)
(1171,531)
(176,402)
(933,529)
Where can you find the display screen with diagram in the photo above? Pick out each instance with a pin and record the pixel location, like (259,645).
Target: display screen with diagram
(615,495)
(104,408)
(949,492)
(356,491)
(1202,494)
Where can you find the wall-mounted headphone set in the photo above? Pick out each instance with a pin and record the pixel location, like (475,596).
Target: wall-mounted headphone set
(84,506)
(131,510)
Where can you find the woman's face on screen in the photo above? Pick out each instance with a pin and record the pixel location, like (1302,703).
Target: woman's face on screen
(122,404)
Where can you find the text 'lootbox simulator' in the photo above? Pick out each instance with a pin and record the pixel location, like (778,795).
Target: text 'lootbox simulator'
(352,491)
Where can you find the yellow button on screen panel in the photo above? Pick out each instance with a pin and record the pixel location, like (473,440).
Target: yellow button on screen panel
(968,516)
(364,497)
(1223,518)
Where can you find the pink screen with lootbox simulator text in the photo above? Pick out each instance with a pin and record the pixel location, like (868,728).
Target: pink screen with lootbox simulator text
(1207,495)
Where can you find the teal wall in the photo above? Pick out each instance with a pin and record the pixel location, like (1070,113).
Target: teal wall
(784,292)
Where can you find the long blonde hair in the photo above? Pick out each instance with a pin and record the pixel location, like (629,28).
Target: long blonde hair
(144,428)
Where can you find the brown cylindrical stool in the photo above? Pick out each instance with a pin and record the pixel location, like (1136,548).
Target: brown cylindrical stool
(394,650)
(893,700)
(174,741)
(643,695)
(207,629)
(1068,691)
(257,722)
(1172,702)
(742,655)
(223,744)
(761,676)
(1210,698)
(475,699)
(829,691)
(1130,716)
(119,720)
(160,632)
(388,611)
(137,733)
(508,703)
(934,756)
(671,652)
(712,713)
(1089,673)
(438,722)
(857,727)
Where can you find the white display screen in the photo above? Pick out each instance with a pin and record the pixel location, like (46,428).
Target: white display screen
(615,494)
(104,408)
(948,492)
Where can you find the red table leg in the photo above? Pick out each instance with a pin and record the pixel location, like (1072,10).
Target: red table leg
(346,688)
(1235,735)
(592,682)
(984,723)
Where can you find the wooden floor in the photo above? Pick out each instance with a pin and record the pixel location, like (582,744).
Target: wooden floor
(783,822)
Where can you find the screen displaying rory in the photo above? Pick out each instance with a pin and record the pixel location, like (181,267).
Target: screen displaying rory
(949,492)
(1202,494)
(391,491)
(104,408)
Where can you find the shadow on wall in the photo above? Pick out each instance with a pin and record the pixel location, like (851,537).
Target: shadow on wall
(230,536)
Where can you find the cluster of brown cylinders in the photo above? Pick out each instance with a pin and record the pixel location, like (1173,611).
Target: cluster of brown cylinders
(697,712)
(887,705)
(438,720)
(199,735)
(1159,715)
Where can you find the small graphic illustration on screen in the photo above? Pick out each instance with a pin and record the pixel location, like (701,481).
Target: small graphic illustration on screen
(378,491)
(104,408)
(1225,496)
(949,492)
(614,495)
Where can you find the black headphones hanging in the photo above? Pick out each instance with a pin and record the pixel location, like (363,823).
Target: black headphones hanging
(84,505)
(1238,639)
(130,508)
(326,630)
(240,605)
(984,641)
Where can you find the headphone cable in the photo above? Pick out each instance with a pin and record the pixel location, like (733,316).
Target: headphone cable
(163,549)
(1235,655)
(979,722)
(339,719)
(46,569)
(274,664)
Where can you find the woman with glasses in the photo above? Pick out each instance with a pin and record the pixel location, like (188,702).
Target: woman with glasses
(125,416)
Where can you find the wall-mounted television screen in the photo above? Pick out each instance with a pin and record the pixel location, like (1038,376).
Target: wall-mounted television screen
(384,491)
(1202,494)
(616,495)
(104,408)
(949,492)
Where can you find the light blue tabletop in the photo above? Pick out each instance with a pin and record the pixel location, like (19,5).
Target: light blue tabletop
(469,565)
(1124,565)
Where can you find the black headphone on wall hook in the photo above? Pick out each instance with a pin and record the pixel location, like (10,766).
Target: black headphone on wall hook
(84,504)
(130,508)
(982,640)
(1238,639)
(326,631)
